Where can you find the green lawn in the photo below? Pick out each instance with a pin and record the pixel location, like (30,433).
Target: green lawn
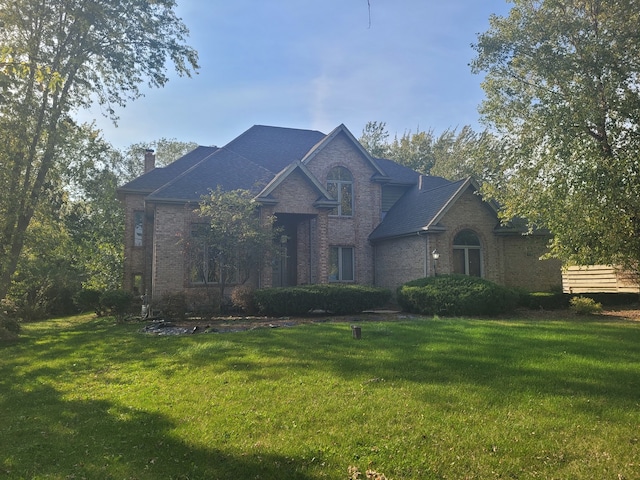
(418,398)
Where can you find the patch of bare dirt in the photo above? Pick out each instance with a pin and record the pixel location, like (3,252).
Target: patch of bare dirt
(238,323)
(232,324)
(631,313)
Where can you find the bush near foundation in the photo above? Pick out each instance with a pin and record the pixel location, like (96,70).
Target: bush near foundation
(331,298)
(585,306)
(117,303)
(452,295)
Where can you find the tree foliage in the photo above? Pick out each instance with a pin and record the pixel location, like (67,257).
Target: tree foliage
(167,150)
(453,154)
(237,238)
(562,90)
(374,138)
(58,56)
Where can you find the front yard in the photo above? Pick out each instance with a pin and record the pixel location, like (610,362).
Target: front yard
(556,396)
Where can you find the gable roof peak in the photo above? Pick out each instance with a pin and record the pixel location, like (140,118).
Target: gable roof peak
(344,130)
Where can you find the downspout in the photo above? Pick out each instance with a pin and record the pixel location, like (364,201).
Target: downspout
(310,253)
(427,257)
(425,262)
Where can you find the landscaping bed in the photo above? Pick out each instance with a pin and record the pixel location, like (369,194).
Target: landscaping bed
(231,324)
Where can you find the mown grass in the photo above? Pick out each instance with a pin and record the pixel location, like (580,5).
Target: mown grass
(415,399)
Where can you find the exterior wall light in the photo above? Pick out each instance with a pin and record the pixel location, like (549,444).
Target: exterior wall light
(435,256)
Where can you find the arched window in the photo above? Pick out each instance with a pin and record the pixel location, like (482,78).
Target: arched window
(340,187)
(467,254)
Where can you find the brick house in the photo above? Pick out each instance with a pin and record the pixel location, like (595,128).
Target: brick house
(346,216)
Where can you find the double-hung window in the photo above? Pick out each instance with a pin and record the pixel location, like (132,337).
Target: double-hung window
(340,187)
(341,264)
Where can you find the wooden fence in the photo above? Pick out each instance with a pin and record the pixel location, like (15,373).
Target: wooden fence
(599,279)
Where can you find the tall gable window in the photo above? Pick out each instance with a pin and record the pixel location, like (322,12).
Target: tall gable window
(340,187)
(467,254)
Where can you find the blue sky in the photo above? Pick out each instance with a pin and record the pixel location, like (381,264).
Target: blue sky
(315,64)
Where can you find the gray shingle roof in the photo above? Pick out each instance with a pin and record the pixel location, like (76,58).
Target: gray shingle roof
(274,148)
(224,169)
(399,174)
(158,177)
(418,209)
(257,156)
(250,161)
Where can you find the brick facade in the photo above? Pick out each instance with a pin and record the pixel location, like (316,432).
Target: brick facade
(311,230)
(352,231)
(509,259)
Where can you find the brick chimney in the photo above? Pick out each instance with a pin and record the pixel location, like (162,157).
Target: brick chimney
(149,160)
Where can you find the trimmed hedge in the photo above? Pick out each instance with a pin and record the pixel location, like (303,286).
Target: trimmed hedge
(545,300)
(452,295)
(331,298)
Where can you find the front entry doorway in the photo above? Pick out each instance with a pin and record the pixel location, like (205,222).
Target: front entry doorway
(292,251)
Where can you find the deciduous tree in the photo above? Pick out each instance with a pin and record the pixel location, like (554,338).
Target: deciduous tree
(57,56)
(234,243)
(453,154)
(563,92)
(374,138)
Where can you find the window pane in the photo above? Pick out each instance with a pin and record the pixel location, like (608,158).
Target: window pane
(332,189)
(474,262)
(347,264)
(138,228)
(203,265)
(459,261)
(466,237)
(339,173)
(346,199)
(333,264)
(211,266)
(137,284)
(340,188)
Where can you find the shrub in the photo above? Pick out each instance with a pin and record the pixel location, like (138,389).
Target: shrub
(331,298)
(203,300)
(174,305)
(88,299)
(284,301)
(117,303)
(585,306)
(179,305)
(9,328)
(455,295)
(244,298)
(347,299)
(545,300)
(614,299)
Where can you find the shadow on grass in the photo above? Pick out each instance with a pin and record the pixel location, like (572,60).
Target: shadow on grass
(53,436)
(56,438)
(555,358)
(45,434)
